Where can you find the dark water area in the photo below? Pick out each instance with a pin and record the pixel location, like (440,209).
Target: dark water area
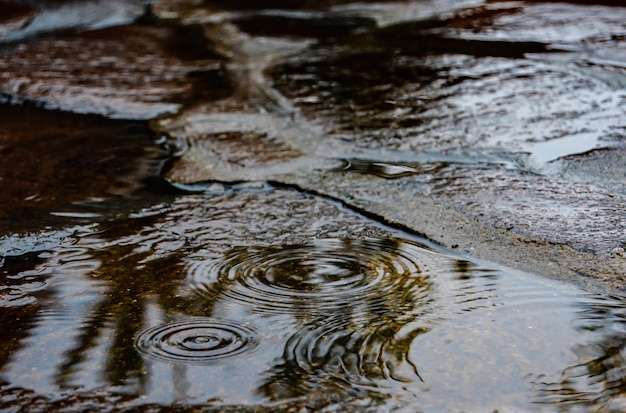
(58,164)
(124,288)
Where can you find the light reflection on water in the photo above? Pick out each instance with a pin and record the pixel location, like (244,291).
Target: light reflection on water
(390,320)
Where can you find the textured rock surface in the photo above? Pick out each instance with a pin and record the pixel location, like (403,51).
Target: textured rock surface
(25,18)
(496,109)
(131,72)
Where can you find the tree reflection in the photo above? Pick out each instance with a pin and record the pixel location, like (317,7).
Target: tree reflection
(132,284)
(371,330)
(361,357)
(363,347)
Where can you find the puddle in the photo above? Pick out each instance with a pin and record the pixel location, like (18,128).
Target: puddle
(261,298)
(66,165)
(389,170)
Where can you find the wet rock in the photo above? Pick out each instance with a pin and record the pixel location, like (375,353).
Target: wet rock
(133,72)
(543,21)
(238,146)
(476,227)
(585,217)
(24,18)
(486,94)
(451,102)
(438,92)
(603,168)
(247,150)
(615,3)
(258,114)
(593,46)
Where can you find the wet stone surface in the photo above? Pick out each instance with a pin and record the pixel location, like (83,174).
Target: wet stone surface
(22,19)
(312,206)
(14,16)
(501,103)
(129,72)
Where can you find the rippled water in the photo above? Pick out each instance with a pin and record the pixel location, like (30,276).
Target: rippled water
(323,276)
(195,341)
(190,301)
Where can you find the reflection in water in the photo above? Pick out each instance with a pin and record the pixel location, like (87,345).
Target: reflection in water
(58,165)
(21,280)
(348,353)
(359,302)
(325,275)
(196,341)
(161,308)
(390,170)
(599,379)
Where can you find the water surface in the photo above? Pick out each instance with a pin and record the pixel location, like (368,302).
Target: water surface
(266,297)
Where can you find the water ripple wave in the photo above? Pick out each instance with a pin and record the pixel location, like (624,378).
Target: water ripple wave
(323,275)
(197,341)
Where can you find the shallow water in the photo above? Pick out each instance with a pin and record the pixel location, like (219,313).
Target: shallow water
(267,296)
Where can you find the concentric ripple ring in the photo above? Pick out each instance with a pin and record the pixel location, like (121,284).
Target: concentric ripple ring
(196,341)
(325,273)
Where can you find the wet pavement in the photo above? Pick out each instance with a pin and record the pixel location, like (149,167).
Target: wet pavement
(321,206)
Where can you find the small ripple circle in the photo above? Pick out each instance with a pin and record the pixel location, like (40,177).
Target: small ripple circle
(196,340)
